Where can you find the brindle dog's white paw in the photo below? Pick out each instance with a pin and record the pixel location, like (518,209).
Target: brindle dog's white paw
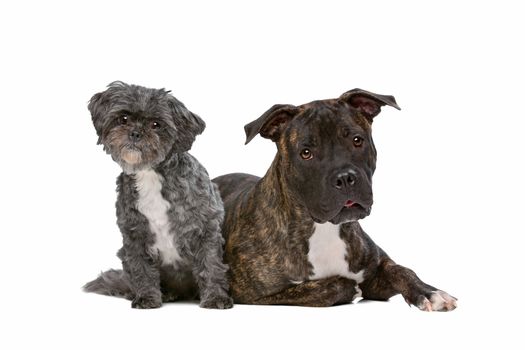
(437,301)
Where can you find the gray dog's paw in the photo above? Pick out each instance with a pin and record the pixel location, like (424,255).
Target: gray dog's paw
(168,297)
(437,301)
(217,302)
(146,302)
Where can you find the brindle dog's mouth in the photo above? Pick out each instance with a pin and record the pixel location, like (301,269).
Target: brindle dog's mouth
(351,204)
(350,210)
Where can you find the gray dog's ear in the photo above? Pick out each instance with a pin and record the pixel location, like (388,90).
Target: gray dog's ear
(98,108)
(188,124)
(271,123)
(368,103)
(100,104)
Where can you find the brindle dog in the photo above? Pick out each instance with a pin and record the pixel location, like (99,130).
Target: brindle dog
(293,237)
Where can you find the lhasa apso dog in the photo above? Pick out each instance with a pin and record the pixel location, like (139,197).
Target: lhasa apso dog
(168,210)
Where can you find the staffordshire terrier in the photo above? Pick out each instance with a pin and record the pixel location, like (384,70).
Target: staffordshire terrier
(293,236)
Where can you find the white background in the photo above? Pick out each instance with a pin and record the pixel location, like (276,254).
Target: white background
(448,186)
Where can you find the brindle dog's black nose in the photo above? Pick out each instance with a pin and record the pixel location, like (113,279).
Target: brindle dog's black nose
(135,136)
(344,180)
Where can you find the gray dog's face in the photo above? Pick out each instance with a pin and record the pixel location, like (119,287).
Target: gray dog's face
(139,127)
(327,153)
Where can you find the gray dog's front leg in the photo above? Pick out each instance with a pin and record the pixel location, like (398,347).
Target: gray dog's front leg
(144,277)
(210,272)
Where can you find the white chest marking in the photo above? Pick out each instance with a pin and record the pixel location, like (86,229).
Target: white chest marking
(155,208)
(328,252)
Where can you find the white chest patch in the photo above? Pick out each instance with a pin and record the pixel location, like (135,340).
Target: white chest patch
(155,208)
(328,252)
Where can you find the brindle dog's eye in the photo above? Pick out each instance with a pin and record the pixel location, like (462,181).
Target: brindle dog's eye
(123,119)
(358,141)
(155,125)
(306,154)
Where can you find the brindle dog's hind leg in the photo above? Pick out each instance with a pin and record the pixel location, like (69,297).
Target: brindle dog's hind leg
(318,293)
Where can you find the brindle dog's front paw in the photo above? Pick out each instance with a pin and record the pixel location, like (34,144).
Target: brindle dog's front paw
(437,300)
(217,302)
(146,302)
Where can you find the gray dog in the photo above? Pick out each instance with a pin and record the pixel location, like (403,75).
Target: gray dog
(168,210)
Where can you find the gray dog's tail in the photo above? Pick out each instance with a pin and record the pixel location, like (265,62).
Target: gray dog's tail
(112,282)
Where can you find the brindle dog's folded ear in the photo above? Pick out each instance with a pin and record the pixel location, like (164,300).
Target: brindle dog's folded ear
(368,103)
(271,123)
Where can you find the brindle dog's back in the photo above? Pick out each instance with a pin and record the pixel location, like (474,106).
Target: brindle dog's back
(232,185)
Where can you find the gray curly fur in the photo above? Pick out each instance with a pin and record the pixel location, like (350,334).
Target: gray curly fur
(192,204)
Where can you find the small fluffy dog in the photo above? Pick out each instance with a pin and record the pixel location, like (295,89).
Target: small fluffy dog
(168,210)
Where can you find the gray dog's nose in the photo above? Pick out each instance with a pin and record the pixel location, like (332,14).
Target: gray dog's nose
(135,136)
(344,180)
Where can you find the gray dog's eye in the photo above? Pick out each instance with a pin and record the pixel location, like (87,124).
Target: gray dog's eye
(123,119)
(155,125)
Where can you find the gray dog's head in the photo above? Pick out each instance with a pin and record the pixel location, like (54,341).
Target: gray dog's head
(326,152)
(140,127)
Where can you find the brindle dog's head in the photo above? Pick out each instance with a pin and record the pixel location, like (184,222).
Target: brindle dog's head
(326,151)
